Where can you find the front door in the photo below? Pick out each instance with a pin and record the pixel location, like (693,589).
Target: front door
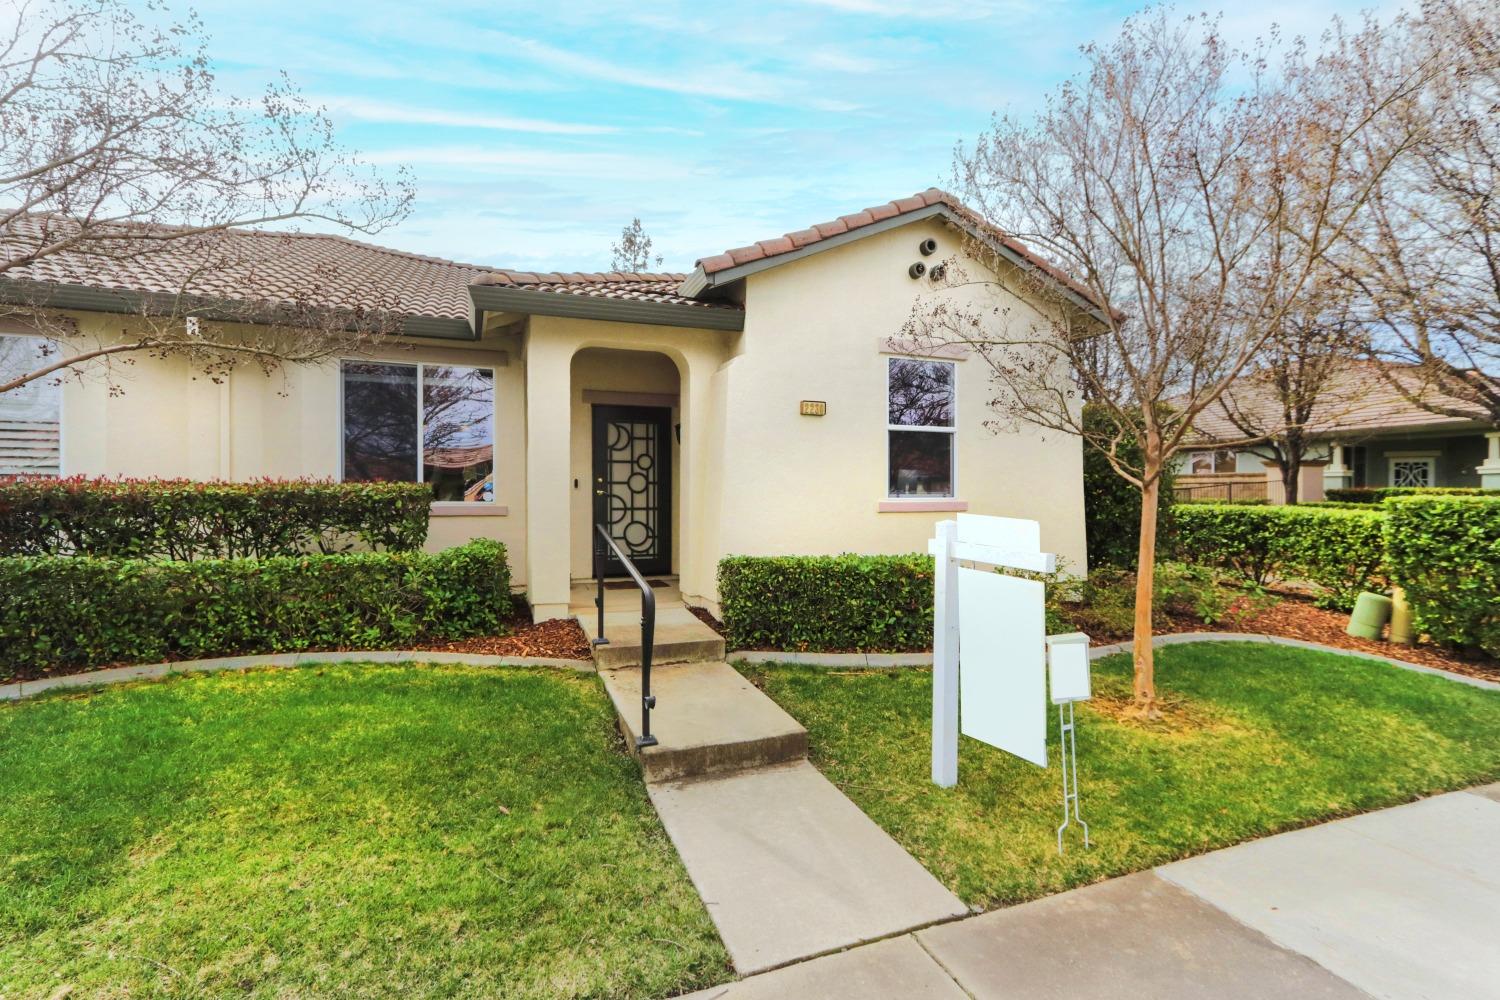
(633,486)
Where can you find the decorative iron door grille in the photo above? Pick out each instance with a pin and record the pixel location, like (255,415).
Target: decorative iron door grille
(633,486)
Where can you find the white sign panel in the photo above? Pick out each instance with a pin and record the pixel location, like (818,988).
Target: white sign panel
(1068,667)
(1002,655)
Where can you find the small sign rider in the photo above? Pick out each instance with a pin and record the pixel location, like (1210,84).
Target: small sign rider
(995,626)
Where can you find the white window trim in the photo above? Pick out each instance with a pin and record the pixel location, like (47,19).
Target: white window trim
(953,430)
(439,507)
(1429,460)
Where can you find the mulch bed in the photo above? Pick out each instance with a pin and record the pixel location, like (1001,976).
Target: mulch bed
(1298,618)
(556,638)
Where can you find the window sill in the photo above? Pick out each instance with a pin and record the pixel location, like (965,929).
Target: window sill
(912,505)
(456,508)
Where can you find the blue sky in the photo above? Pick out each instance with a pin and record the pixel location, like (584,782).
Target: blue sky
(537,130)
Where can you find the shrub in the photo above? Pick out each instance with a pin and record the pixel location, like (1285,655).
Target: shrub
(1112,507)
(180,519)
(827,603)
(1341,551)
(79,611)
(1181,588)
(1445,552)
(1378,494)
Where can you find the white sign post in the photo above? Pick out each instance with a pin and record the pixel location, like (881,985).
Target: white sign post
(996,625)
(1068,667)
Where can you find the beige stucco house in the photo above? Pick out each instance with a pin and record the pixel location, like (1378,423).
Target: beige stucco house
(760,405)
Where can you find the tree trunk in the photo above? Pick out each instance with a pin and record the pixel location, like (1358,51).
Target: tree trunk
(1145,586)
(1291,474)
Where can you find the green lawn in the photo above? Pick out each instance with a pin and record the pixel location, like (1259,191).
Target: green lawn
(358,831)
(1258,739)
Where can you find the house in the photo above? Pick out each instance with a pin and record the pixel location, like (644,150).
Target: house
(761,404)
(1364,431)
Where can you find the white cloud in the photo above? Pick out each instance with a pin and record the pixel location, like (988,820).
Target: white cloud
(401,114)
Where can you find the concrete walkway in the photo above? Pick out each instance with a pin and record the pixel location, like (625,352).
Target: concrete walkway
(1401,903)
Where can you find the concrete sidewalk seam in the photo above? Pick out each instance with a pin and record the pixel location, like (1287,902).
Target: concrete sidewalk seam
(943,965)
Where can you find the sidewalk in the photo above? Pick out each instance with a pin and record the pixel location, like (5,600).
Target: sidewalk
(1400,903)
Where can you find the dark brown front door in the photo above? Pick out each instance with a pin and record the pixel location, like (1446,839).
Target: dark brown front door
(633,485)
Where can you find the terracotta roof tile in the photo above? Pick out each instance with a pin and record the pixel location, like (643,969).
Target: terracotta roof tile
(800,238)
(305,269)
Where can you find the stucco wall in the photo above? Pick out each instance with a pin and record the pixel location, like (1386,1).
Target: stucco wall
(169,420)
(793,484)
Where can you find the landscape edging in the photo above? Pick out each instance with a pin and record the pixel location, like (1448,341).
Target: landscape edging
(1097,652)
(150,671)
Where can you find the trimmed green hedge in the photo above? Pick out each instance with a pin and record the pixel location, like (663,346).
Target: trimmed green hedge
(839,603)
(180,519)
(1379,494)
(1445,552)
(82,611)
(1342,551)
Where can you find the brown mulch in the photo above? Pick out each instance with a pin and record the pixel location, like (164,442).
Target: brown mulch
(703,616)
(556,638)
(1298,618)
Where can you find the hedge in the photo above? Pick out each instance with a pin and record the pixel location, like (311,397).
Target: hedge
(839,603)
(1342,551)
(1445,552)
(1379,494)
(1111,506)
(81,611)
(180,519)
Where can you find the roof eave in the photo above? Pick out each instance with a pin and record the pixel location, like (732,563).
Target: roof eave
(124,301)
(700,281)
(533,302)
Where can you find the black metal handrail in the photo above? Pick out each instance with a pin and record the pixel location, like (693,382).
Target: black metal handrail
(648,625)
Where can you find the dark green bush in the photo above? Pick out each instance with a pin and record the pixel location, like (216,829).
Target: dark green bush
(180,519)
(827,603)
(1342,551)
(81,611)
(1445,553)
(1112,507)
(1377,494)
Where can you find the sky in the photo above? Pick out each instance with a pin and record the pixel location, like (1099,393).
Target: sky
(537,130)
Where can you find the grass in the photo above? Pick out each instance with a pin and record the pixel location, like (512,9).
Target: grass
(1258,739)
(357,831)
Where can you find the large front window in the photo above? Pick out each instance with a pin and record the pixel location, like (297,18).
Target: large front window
(919,426)
(421,423)
(31,415)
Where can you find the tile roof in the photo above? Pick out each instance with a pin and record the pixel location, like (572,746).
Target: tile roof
(971,220)
(249,265)
(632,286)
(1359,399)
(304,269)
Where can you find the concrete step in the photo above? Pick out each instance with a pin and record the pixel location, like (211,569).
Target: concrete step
(708,720)
(789,868)
(680,638)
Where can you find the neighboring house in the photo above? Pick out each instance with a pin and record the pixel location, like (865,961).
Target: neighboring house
(1364,430)
(758,405)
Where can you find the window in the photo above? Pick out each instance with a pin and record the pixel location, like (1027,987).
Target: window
(1411,471)
(449,409)
(1205,462)
(30,416)
(919,426)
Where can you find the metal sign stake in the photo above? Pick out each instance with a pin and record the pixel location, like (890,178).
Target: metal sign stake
(1070,773)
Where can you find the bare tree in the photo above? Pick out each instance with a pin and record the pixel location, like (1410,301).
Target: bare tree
(1305,378)
(633,252)
(119,155)
(1428,255)
(1193,191)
